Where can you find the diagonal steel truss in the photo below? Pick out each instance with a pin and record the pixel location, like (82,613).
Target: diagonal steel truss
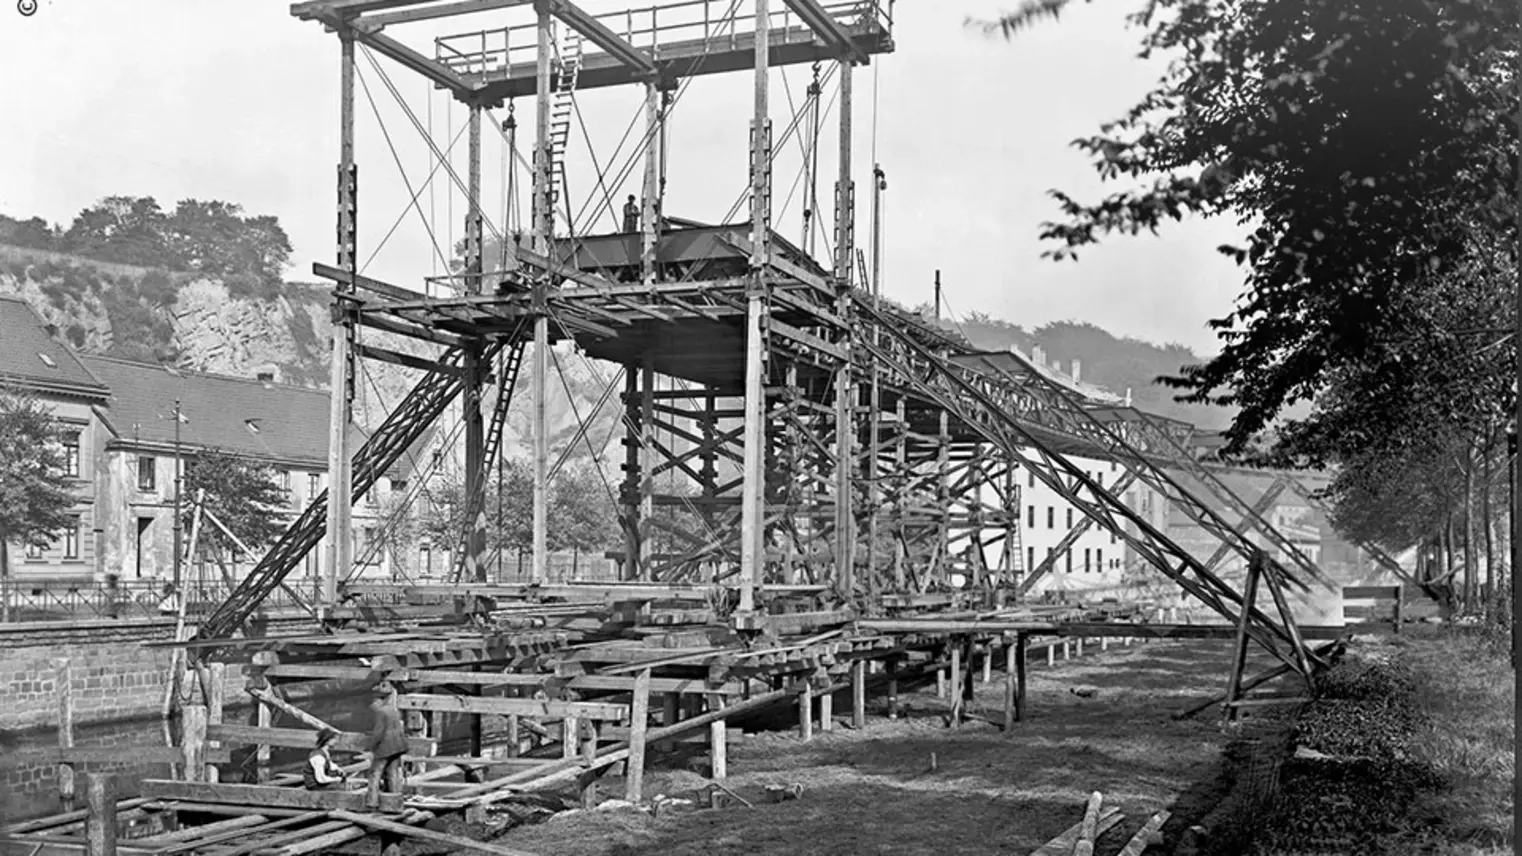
(402,427)
(1033,425)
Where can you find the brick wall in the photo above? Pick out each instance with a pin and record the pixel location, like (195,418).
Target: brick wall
(114,675)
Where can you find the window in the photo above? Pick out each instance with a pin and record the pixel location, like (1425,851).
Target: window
(147,473)
(1030,559)
(367,541)
(1114,537)
(1070,518)
(1085,559)
(33,551)
(1051,517)
(71,454)
(71,540)
(1030,478)
(425,558)
(285,484)
(1030,516)
(1099,556)
(312,561)
(1112,466)
(1070,561)
(314,485)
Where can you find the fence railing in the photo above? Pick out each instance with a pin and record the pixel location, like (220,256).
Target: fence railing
(31,601)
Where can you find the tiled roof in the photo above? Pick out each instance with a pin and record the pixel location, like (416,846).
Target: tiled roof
(30,357)
(242,416)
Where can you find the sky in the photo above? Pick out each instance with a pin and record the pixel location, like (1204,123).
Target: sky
(239,101)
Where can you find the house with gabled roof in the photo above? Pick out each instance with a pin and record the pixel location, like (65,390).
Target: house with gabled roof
(33,361)
(128,424)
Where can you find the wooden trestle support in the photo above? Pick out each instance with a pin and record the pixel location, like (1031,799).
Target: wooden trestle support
(820,491)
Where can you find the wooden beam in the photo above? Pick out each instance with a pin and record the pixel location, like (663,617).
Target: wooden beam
(441,10)
(323,9)
(598,34)
(439,74)
(513,706)
(455,842)
(264,795)
(408,360)
(300,738)
(827,28)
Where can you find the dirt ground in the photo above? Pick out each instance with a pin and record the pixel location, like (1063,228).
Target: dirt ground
(873,792)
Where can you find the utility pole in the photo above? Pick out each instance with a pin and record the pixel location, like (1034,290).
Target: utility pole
(937,294)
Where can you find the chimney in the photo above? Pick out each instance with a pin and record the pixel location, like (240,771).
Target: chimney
(1038,355)
(1077,372)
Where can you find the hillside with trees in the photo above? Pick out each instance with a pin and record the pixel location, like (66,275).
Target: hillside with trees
(1119,364)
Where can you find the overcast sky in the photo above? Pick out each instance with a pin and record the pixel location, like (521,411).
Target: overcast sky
(238,101)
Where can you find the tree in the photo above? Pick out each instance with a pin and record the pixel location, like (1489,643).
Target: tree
(216,239)
(242,493)
(582,516)
(125,229)
(1366,143)
(35,498)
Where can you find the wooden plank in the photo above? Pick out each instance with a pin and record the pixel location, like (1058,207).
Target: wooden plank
(613,683)
(41,823)
(271,826)
(284,838)
(264,795)
(57,844)
(300,738)
(639,722)
(1063,844)
(543,708)
(1088,830)
(1149,834)
(454,841)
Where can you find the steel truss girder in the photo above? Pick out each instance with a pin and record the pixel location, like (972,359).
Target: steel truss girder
(1144,444)
(402,427)
(972,397)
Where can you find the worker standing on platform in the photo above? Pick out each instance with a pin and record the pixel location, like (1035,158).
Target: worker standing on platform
(631,215)
(388,743)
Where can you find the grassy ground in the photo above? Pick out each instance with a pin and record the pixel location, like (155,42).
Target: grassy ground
(1422,727)
(872,791)
(1467,690)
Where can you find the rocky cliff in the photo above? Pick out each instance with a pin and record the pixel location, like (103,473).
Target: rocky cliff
(206,324)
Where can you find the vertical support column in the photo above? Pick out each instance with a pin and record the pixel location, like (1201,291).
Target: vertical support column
(806,711)
(216,675)
(826,711)
(100,814)
(718,737)
(669,702)
(647,467)
(264,719)
(956,683)
(1012,557)
(588,735)
(900,477)
(475,370)
(63,680)
(753,493)
(639,721)
(859,694)
(649,208)
(633,519)
(340,549)
(544,229)
(943,499)
(193,741)
(845,429)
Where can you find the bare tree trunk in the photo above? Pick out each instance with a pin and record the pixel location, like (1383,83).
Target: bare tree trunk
(1469,555)
(1485,513)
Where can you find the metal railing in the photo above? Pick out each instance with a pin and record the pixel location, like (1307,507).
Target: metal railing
(33,601)
(716,24)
